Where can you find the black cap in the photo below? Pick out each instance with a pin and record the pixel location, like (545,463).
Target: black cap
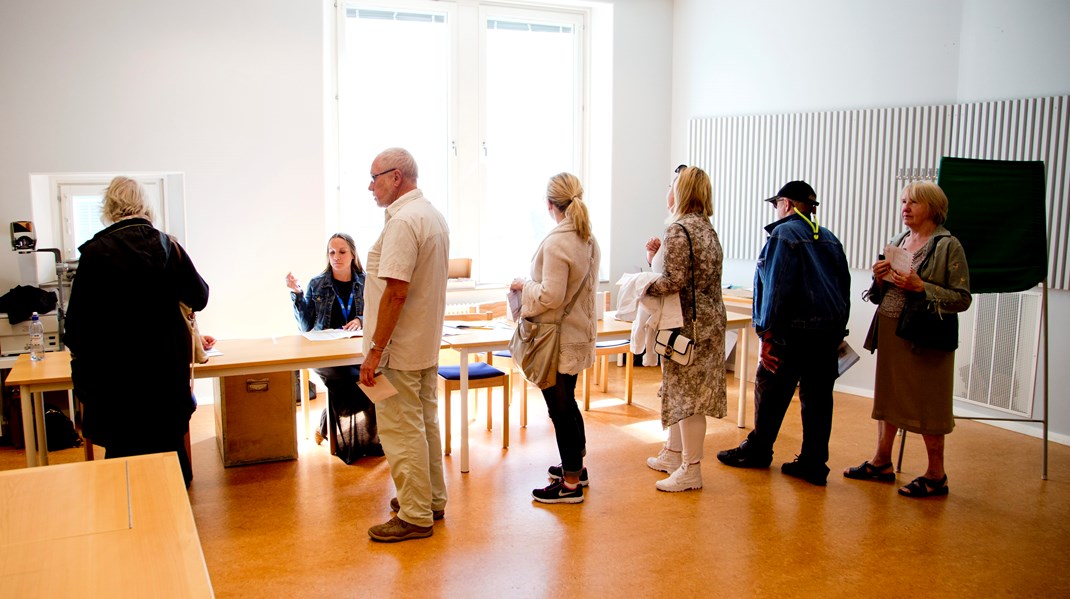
(799,191)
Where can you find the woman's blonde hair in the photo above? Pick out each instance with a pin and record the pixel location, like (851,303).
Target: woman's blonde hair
(694,194)
(566,194)
(124,198)
(929,194)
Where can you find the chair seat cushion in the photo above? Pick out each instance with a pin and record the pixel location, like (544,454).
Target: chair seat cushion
(476,370)
(503,354)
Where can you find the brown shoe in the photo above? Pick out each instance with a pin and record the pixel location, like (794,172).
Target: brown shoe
(435,514)
(396,529)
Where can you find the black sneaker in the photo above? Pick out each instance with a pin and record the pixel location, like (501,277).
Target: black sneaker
(744,457)
(811,472)
(557,492)
(557,473)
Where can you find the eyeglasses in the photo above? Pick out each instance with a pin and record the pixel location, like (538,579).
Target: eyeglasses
(377,175)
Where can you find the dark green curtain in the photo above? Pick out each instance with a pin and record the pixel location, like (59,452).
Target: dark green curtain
(996,209)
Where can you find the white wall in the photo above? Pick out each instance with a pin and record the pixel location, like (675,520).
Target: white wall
(229,93)
(773,56)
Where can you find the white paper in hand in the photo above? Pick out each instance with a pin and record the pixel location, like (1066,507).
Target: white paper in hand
(383,389)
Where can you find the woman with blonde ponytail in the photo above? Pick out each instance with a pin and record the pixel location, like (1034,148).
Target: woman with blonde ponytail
(564,277)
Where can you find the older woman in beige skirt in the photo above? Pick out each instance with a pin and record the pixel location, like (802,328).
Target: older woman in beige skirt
(914,384)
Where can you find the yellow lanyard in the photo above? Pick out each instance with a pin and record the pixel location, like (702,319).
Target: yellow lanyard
(812,223)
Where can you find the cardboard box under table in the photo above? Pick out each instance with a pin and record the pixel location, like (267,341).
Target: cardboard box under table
(254,418)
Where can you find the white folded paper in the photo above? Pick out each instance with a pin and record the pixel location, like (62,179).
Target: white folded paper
(382,389)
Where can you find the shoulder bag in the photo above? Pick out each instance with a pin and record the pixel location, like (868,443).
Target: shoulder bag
(535,346)
(924,328)
(669,342)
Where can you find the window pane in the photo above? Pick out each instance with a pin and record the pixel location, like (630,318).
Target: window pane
(87,211)
(532,127)
(394,93)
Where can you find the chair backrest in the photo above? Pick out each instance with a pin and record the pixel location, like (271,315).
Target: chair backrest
(471,316)
(460,268)
(497,309)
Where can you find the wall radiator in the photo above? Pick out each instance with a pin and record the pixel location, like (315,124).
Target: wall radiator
(999,340)
(858,161)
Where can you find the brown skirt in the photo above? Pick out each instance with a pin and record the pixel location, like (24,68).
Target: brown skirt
(913,388)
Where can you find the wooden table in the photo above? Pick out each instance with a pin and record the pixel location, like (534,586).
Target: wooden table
(240,356)
(109,528)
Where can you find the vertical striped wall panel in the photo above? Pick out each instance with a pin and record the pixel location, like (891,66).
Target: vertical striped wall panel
(858,160)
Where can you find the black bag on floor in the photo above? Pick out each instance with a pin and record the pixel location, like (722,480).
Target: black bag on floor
(60,431)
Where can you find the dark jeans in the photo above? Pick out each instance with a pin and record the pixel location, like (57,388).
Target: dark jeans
(568,422)
(812,366)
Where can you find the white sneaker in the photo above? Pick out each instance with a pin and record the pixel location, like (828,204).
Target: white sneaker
(687,476)
(667,461)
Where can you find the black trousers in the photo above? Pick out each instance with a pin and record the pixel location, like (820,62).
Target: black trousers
(811,365)
(568,422)
(124,448)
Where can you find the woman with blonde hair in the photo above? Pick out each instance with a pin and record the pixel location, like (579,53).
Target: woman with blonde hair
(914,385)
(124,299)
(692,268)
(564,277)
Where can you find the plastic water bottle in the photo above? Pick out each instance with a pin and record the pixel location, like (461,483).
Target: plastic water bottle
(37,338)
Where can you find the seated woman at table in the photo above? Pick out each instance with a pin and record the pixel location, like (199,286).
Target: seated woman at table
(335,300)
(130,348)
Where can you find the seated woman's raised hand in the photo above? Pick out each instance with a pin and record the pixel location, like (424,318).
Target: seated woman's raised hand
(291,282)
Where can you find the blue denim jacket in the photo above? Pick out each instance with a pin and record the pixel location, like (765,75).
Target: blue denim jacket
(802,285)
(313,307)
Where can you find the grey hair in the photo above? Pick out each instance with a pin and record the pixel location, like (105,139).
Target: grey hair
(400,159)
(124,198)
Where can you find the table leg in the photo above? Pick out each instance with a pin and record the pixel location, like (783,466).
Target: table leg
(28,434)
(42,437)
(464,409)
(741,372)
(630,357)
(304,399)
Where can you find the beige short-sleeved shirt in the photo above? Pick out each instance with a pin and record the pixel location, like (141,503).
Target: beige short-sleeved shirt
(414,247)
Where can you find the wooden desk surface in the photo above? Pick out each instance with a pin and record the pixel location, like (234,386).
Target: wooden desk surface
(107,528)
(268,354)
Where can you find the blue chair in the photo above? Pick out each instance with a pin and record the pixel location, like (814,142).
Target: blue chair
(480,376)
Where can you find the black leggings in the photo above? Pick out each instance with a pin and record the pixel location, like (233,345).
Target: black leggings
(568,422)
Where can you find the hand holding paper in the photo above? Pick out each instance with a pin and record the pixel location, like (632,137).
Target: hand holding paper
(382,389)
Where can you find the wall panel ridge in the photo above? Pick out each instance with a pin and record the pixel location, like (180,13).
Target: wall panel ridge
(858,160)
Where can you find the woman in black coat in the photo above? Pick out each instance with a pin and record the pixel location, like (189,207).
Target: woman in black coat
(130,348)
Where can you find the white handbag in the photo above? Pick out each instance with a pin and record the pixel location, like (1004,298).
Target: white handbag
(674,346)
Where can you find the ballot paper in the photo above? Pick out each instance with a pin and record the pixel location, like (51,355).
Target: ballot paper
(847,357)
(380,391)
(899,258)
(329,334)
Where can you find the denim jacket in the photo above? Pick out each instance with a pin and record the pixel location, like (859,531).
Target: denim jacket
(313,307)
(802,285)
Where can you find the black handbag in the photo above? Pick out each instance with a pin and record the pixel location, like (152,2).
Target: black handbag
(923,328)
(669,343)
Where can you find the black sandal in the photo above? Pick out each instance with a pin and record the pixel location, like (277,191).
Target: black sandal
(867,471)
(925,487)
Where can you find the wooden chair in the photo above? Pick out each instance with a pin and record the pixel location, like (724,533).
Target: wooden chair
(600,370)
(481,375)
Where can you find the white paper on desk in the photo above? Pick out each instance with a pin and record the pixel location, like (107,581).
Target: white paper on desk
(213,352)
(899,258)
(329,334)
(383,389)
(847,357)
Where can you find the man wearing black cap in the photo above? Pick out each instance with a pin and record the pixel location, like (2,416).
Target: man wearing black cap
(801,303)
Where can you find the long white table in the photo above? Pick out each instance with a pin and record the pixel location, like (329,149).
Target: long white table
(240,357)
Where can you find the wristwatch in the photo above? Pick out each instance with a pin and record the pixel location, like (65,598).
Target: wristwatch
(375,346)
